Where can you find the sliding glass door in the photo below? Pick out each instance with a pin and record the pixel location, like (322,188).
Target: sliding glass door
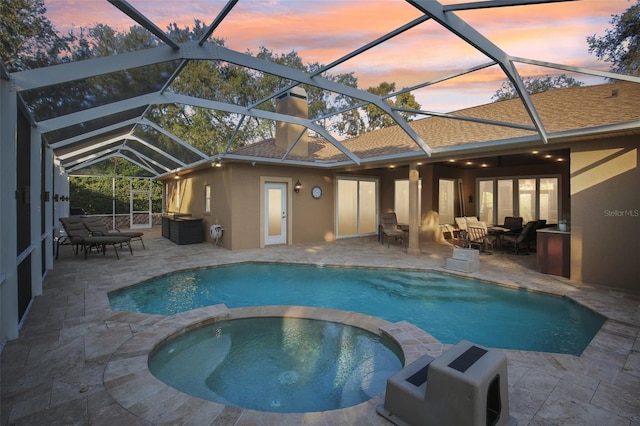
(356,210)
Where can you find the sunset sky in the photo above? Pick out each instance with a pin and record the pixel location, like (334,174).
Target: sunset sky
(324,30)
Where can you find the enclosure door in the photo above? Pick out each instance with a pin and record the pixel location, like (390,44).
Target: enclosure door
(140,208)
(275,213)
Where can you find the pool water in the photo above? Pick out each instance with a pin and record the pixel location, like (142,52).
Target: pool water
(451,308)
(284,365)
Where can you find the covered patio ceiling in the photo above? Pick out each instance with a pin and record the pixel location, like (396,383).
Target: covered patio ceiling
(83,126)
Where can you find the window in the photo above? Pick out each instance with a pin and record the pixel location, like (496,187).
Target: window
(401,199)
(357,212)
(485,194)
(548,200)
(207,198)
(527,199)
(178,195)
(505,200)
(531,198)
(446,198)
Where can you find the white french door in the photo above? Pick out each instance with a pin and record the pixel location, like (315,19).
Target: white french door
(275,213)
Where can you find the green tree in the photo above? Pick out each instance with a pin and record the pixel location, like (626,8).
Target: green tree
(377,118)
(620,45)
(536,85)
(27,38)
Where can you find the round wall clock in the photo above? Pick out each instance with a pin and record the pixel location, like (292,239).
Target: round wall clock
(316,192)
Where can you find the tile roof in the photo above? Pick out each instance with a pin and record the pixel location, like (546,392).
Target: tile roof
(560,110)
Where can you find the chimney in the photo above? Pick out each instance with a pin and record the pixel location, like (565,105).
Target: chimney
(295,103)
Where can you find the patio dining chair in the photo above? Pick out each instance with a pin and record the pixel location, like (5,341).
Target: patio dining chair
(519,242)
(514,224)
(388,229)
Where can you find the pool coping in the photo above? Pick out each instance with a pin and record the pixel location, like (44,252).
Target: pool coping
(129,381)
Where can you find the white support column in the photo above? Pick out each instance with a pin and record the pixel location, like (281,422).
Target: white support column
(48,207)
(8,233)
(60,188)
(414,213)
(35,210)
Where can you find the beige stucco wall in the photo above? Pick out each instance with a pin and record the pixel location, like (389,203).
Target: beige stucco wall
(236,202)
(605,212)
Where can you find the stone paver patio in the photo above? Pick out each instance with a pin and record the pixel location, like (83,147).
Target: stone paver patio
(77,362)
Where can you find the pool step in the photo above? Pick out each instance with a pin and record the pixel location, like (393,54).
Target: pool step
(463,260)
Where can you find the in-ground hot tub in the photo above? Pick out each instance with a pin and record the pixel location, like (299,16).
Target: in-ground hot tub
(277,364)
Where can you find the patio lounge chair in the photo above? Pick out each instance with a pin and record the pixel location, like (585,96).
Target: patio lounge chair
(79,236)
(97,227)
(389,229)
(520,241)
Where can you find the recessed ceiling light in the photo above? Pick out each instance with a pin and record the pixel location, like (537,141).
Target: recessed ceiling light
(560,159)
(485,165)
(547,156)
(392,166)
(469,163)
(534,152)
(452,161)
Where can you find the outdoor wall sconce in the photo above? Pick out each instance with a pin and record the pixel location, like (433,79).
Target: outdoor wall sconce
(217,163)
(297,186)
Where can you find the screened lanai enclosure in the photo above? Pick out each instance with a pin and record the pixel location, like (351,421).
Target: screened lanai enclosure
(202,91)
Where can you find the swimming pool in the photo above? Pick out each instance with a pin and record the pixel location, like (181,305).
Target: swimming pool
(451,308)
(277,364)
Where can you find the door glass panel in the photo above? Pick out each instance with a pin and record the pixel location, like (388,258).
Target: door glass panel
(527,199)
(446,197)
(485,191)
(549,199)
(275,212)
(367,208)
(401,200)
(505,199)
(347,207)
(207,199)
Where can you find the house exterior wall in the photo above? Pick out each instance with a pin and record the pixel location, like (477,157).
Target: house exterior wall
(599,189)
(236,202)
(605,212)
